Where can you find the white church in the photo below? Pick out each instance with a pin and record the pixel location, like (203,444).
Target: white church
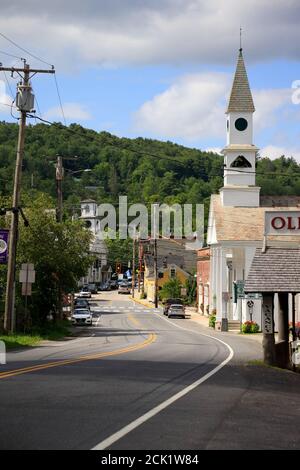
(236,216)
(100,271)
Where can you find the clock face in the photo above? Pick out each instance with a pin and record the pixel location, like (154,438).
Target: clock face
(241,124)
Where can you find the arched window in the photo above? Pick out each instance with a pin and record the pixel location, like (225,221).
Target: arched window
(240,162)
(88,223)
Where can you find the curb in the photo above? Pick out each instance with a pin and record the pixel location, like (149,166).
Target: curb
(138,301)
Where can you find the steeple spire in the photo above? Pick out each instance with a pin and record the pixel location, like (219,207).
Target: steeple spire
(240,97)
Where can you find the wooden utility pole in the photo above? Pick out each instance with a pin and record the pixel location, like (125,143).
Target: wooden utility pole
(133,266)
(25,104)
(155,274)
(59,178)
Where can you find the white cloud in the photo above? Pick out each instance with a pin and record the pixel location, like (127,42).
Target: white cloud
(214,150)
(268,102)
(272,152)
(5,99)
(72,112)
(73,33)
(193,108)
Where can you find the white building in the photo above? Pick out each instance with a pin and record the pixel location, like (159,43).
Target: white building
(100,271)
(236,218)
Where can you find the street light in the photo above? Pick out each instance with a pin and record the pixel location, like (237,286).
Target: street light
(70,172)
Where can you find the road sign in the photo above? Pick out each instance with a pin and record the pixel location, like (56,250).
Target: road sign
(252,295)
(26,288)
(239,292)
(27,273)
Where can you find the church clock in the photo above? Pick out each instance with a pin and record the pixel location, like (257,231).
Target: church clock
(241,124)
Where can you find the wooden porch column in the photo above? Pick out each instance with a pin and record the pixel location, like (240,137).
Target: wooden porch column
(282,348)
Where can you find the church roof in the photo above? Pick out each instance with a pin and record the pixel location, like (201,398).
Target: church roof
(247,223)
(240,97)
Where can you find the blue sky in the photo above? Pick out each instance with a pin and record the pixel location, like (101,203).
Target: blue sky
(162,69)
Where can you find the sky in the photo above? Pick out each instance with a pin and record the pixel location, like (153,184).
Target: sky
(159,68)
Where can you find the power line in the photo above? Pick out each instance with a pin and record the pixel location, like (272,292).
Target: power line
(25,50)
(185,164)
(60,102)
(11,55)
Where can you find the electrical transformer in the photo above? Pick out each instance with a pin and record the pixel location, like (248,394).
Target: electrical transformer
(25,98)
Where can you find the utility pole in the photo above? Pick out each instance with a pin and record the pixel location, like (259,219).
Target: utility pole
(140,266)
(155,234)
(133,266)
(25,104)
(59,177)
(155,274)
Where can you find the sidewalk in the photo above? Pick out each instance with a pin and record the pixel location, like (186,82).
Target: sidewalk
(202,320)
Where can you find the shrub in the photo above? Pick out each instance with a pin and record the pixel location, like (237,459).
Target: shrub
(212,321)
(250,327)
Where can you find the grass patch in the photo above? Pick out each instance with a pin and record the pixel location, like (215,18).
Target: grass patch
(17,340)
(51,332)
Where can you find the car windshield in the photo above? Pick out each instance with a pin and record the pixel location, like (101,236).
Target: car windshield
(176,307)
(81,311)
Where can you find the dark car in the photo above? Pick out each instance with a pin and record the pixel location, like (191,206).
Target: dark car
(169,302)
(105,286)
(93,288)
(114,284)
(81,303)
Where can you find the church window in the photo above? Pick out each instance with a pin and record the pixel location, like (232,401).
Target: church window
(240,162)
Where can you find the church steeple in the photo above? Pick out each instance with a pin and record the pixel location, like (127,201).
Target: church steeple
(240,97)
(240,153)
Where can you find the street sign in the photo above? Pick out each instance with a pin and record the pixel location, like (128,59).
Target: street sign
(239,289)
(27,277)
(3,245)
(26,288)
(252,295)
(27,273)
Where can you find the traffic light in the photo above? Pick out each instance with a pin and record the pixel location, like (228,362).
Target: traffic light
(118,268)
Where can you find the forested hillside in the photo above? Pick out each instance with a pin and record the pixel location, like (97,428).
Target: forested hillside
(145,170)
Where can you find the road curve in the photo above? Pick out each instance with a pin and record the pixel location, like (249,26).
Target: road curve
(77,395)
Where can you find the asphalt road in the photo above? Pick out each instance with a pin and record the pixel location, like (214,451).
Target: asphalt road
(136,380)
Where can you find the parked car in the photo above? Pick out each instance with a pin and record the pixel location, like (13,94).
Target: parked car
(93,288)
(124,288)
(105,286)
(85,292)
(176,310)
(82,316)
(169,302)
(81,303)
(114,284)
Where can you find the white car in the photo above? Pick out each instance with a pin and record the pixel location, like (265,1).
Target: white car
(124,288)
(82,316)
(85,293)
(176,310)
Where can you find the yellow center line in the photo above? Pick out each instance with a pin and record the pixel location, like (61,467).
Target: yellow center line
(11,373)
(134,320)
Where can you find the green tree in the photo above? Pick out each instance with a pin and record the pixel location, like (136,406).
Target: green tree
(171,289)
(59,251)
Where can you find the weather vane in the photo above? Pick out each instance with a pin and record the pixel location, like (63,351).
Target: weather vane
(241,39)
